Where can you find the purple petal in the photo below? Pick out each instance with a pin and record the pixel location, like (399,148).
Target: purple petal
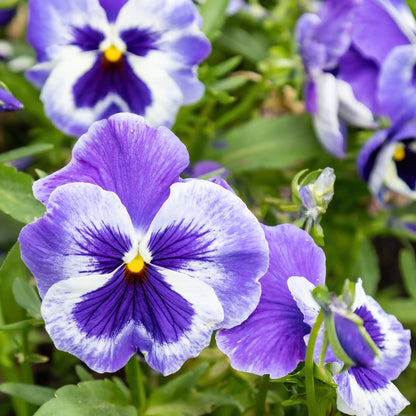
(104,320)
(376,30)
(388,334)
(85,231)
(125,156)
(112,8)
(397,84)
(271,340)
(363,392)
(324,38)
(8,102)
(7,14)
(362,74)
(207,232)
(51,24)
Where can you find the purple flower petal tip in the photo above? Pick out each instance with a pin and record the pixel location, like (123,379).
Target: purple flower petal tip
(8,102)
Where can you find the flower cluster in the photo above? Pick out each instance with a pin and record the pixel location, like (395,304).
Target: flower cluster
(360,60)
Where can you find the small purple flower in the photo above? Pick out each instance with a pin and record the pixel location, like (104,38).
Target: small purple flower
(388,163)
(8,102)
(271,340)
(129,259)
(100,58)
(365,388)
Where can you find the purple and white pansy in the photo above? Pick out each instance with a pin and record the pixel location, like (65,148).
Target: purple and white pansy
(365,388)
(388,163)
(129,258)
(323,38)
(271,340)
(97,58)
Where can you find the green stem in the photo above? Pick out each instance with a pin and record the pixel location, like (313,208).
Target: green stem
(136,384)
(261,395)
(309,364)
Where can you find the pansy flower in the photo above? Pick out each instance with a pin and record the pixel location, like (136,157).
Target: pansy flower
(97,58)
(271,340)
(128,258)
(388,163)
(323,38)
(365,388)
(349,52)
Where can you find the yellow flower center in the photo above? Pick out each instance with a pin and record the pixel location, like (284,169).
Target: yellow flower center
(136,265)
(112,54)
(399,153)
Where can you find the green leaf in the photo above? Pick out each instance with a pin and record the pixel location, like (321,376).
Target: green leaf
(26,297)
(28,392)
(366,266)
(11,269)
(83,374)
(407,263)
(89,398)
(268,144)
(180,398)
(16,198)
(24,152)
(213,15)
(21,326)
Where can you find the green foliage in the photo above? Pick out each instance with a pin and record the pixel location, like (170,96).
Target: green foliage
(88,398)
(30,393)
(16,198)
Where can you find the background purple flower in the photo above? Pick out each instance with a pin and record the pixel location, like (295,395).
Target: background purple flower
(388,162)
(100,58)
(130,259)
(8,102)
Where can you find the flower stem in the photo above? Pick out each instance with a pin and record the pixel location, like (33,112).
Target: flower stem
(309,364)
(136,384)
(261,395)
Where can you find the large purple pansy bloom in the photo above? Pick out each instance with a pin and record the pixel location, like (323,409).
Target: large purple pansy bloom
(388,162)
(97,58)
(366,387)
(271,340)
(129,259)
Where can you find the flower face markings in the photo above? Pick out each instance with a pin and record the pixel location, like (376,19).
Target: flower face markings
(87,38)
(139,41)
(107,76)
(404,158)
(180,242)
(371,325)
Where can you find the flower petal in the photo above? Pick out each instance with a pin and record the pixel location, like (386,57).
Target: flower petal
(207,232)
(387,332)
(86,230)
(330,131)
(397,84)
(125,156)
(378,28)
(105,319)
(271,340)
(51,24)
(363,392)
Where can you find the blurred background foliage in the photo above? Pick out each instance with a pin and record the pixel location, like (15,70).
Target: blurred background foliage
(252,121)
